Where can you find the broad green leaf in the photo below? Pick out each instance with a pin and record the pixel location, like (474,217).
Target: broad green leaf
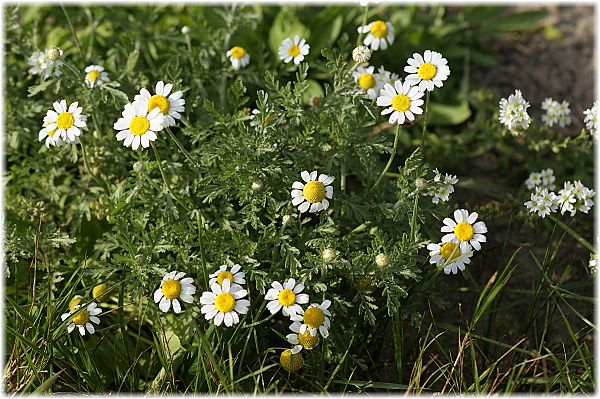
(448,113)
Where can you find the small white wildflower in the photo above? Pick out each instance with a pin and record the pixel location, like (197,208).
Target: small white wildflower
(294,50)
(447,188)
(361,54)
(513,112)
(239,57)
(556,113)
(380,34)
(591,119)
(542,202)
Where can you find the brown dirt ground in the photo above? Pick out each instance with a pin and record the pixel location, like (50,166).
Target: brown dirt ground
(561,68)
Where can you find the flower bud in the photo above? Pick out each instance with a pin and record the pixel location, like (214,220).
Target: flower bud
(257,185)
(361,54)
(185,30)
(329,255)
(381,260)
(54,53)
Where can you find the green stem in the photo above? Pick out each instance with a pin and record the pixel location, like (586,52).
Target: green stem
(87,168)
(201,240)
(73,32)
(389,163)
(364,22)
(425,121)
(183,150)
(164,176)
(574,234)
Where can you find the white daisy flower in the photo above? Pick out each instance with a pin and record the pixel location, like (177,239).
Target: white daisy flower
(382,76)
(311,196)
(238,56)
(170,106)
(303,340)
(234,275)
(138,126)
(83,319)
(427,71)
(224,303)
(403,101)
(464,230)
(449,254)
(314,319)
(293,50)
(361,54)
(513,113)
(591,118)
(173,289)
(380,34)
(42,65)
(556,113)
(365,79)
(286,297)
(67,122)
(95,75)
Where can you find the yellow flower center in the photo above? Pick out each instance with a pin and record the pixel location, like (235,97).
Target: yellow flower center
(314,191)
(308,341)
(223,275)
(139,125)
(294,50)
(447,249)
(93,75)
(224,302)
(401,102)
(379,29)
(427,71)
(171,289)
(464,231)
(314,317)
(65,120)
(237,52)
(159,101)
(291,362)
(286,297)
(100,293)
(82,318)
(366,81)
(74,302)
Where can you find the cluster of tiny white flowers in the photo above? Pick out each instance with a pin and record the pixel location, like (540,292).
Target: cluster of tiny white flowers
(443,193)
(556,113)
(573,197)
(542,179)
(591,118)
(513,112)
(46,63)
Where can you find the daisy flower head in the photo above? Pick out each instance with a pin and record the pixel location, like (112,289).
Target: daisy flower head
(95,75)
(314,319)
(294,50)
(238,56)
(83,318)
(286,297)
(361,54)
(66,122)
(556,113)
(464,231)
(174,288)
(365,79)
(402,101)
(513,113)
(290,361)
(234,275)
(313,193)
(542,202)
(303,340)
(137,126)
(380,34)
(41,64)
(427,71)
(450,255)
(224,303)
(591,119)
(170,107)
